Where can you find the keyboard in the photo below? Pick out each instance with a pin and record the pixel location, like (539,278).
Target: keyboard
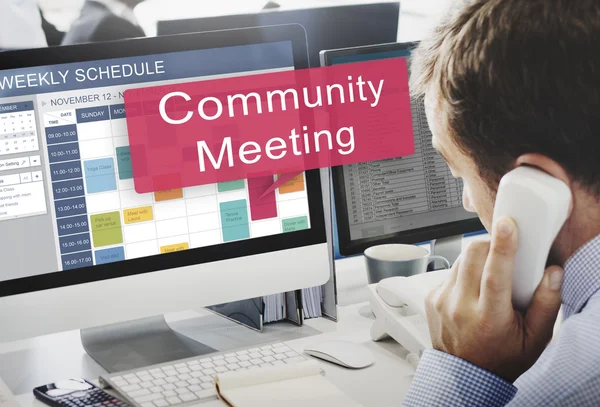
(191,381)
(7,399)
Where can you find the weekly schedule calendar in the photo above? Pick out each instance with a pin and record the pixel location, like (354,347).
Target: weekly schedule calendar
(65,157)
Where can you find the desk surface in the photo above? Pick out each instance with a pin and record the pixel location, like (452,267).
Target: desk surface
(33,362)
(382,384)
(25,364)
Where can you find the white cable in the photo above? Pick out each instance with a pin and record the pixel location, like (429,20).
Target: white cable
(413,360)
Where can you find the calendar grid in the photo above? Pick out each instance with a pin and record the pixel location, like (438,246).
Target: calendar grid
(100,218)
(18,131)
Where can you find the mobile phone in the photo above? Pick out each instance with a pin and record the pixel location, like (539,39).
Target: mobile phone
(76,393)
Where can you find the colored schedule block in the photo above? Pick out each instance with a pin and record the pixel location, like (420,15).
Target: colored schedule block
(109,255)
(234,220)
(135,215)
(168,195)
(174,248)
(100,175)
(231,185)
(124,162)
(296,184)
(265,207)
(294,224)
(106,229)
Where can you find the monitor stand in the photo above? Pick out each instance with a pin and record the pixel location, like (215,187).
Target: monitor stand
(135,344)
(447,247)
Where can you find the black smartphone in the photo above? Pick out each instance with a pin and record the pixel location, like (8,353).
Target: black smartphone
(76,393)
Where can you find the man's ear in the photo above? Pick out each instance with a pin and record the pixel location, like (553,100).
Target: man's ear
(547,165)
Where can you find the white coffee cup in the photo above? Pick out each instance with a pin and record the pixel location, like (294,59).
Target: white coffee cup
(392,260)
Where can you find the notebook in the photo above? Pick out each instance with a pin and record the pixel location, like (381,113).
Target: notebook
(296,385)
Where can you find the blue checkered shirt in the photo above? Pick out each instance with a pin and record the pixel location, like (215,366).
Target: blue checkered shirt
(566,374)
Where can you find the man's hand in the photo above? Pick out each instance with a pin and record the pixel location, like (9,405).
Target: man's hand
(471,315)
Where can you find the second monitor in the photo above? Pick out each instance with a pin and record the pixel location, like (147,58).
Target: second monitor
(326,27)
(400,200)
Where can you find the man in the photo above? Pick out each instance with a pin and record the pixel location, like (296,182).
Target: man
(104,20)
(509,83)
(53,35)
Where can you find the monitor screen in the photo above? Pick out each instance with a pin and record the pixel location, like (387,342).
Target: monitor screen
(326,27)
(67,198)
(405,199)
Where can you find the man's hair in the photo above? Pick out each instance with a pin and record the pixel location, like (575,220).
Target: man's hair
(515,77)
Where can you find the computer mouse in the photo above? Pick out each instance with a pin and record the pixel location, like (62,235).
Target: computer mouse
(343,353)
(271,5)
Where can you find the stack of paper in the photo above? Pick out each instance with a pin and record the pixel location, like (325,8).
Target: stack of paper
(312,298)
(274,308)
(295,385)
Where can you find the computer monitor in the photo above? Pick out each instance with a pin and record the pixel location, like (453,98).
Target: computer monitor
(401,200)
(80,248)
(326,27)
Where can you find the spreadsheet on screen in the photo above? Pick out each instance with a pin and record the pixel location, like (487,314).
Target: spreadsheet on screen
(405,193)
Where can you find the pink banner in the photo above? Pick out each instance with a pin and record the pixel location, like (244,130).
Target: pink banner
(259,125)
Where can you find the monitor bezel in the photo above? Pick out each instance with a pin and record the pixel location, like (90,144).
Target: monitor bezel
(349,247)
(175,26)
(157,45)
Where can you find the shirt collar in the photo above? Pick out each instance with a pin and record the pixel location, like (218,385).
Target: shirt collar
(120,9)
(582,277)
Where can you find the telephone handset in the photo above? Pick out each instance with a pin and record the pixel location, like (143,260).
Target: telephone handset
(537,202)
